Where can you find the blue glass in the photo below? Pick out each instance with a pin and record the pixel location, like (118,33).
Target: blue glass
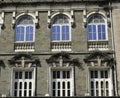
(94,36)
(94,28)
(89,28)
(94,32)
(31,37)
(91,32)
(103,28)
(104,32)
(17,37)
(67,33)
(17,33)
(63,32)
(55,33)
(58,32)
(101,32)
(20,33)
(103,36)
(89,36)
(29,33)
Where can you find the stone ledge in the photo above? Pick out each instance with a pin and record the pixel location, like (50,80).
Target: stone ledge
(35,1)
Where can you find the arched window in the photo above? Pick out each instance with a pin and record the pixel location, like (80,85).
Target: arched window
(96,28)
(60,30)
(25,29)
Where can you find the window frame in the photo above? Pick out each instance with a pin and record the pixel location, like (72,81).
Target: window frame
(96,27)
(21,18)
(23,80)
(61,25)
(99,80)
(61,79)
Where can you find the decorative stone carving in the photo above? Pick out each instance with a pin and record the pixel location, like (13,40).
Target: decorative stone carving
(51,15)
(35,16)
(24,60)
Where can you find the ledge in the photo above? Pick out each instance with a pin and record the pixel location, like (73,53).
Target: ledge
(43,1)
(69,97)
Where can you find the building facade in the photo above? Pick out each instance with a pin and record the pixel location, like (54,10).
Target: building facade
(59,48)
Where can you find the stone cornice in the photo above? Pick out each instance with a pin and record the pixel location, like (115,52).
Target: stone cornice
(42,1)
(19,2)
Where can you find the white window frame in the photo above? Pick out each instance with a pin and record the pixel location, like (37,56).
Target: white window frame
(99,80)
(13,80)
(25,25)
(61,24)
(96,25)
(71,80)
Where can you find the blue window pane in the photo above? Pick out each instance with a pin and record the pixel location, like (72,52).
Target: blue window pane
(17,33)
(103,28)
(101,32)
(99,28)
(29,33)
(103,36)
(55,33)
(94,36)
(91,32)
(94,32)
(31,37)
(20,33)
(89,28)
(17,37)
(65,32)
(89,36)
(99,36)
(94,28)
(58,32)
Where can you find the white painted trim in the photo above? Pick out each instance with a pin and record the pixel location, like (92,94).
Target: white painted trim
(33,70)
(105,19)
(111,86)
(29,14)
(11,88)
(64,13)
(99,80)
(71,80)
(73,86)
(94,12)
(33,25)
(49,80)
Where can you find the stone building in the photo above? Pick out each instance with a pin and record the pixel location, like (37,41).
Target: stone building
(59,48)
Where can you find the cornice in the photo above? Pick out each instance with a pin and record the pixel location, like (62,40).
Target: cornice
(48,1)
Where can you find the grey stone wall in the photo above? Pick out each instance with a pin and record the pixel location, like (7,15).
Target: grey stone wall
(116,23)
(43,52)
